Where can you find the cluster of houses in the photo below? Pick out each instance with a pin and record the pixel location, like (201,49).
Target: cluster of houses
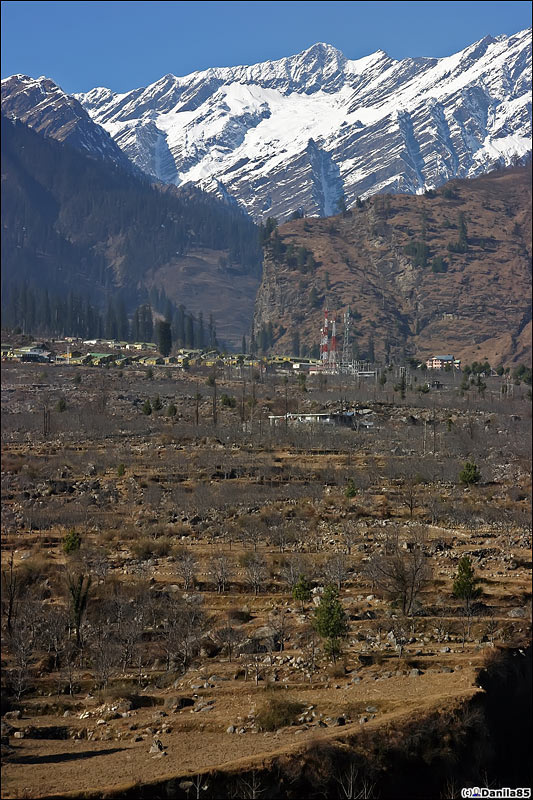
(122,353)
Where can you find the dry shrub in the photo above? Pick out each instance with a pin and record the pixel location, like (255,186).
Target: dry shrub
(36,568)
(278,712)
(337,670)
(239,615)
(162,547)
(143,548)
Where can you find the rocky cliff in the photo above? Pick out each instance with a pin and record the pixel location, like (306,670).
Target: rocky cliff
(444,272)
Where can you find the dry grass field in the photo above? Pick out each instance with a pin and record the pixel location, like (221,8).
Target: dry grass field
(152,630)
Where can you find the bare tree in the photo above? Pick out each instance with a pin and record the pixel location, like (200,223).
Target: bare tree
(251,531)
(181,631)
(21,645)
(229,637)
(278,622)
(409,493)
(335,570)
(400,635)
(248,788)
(352,786)
(282,535)
(255,571)
(96,561)
(220,569)
(292,569)
(350,535)
(400,572)
(105,654)
(185,567)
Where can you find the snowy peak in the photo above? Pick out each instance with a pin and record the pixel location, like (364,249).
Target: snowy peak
(43,105)
(305,130)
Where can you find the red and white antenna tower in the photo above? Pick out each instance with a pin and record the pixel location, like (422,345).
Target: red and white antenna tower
(333,346)
(324,335)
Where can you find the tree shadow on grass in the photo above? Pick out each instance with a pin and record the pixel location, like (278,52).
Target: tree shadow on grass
(57,758)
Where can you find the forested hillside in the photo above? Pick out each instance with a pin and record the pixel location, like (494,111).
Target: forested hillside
(72,223)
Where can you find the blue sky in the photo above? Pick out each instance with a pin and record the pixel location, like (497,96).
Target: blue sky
(124,45)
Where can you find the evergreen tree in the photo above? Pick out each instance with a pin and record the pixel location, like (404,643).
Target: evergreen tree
(163,337)
(371,352)
(189,331)
(201,333)
(296,343)
(465,583)
(330,621)
(302,591)
(469,474)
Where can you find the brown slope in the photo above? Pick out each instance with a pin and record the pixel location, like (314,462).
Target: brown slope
(480,308)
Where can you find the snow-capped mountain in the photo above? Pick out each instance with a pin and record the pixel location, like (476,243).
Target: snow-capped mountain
(42,105)
(301,131)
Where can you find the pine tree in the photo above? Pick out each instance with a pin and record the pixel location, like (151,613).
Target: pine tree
(330,621)
(163,337)
(302,591)
(469,474)
(465,584)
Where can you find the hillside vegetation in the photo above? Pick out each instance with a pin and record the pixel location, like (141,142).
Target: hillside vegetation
(445,272)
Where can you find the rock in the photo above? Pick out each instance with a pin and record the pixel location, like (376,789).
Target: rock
(371,709)
(176,703)
(231,729)
(340,721)
(157,746)
(18,735)
(517,613)
(414,672)
(13,714)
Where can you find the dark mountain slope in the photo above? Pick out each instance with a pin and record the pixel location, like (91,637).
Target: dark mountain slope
(71,221)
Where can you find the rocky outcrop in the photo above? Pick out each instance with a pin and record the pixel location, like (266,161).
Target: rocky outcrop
(394,261)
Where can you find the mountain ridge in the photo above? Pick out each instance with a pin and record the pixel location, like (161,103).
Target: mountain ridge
(315,129)
(386,124)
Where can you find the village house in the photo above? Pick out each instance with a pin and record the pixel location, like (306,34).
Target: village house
(440,362)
